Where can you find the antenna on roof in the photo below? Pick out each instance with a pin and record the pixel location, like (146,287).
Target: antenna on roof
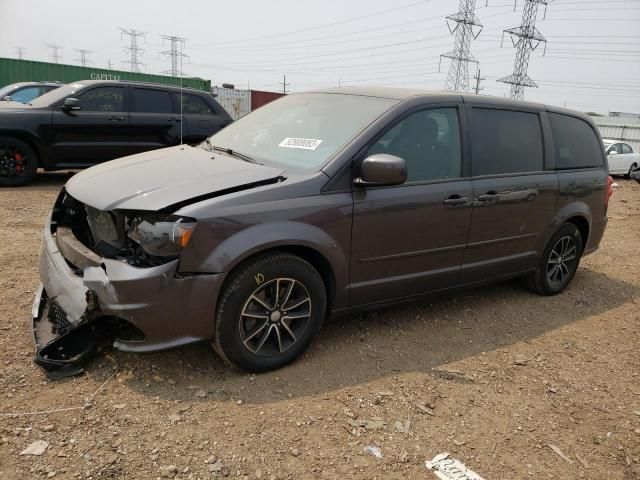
(181,102)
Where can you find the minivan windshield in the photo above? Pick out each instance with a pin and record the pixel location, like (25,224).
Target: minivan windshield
(300,131)
(55,95)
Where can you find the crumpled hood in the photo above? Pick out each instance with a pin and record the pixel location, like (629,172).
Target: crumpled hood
(160,178)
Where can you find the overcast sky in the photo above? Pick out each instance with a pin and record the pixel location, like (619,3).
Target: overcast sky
(592,60)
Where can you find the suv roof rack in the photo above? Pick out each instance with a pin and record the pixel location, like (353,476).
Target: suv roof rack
(142,82)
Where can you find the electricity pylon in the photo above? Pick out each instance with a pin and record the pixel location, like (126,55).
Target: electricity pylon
(525,38)
(465,23)
(134,51)
(175,53)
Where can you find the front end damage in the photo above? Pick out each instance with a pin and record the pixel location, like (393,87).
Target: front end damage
(98,285)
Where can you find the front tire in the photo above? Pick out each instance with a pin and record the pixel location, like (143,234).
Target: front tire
(631,169)
(559,262)
(18,162)
(269,312)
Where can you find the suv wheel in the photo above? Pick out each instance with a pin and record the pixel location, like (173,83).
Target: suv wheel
(18,162)
(269,312)
(559,262)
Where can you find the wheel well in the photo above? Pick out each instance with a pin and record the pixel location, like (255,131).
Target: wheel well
(26,139)
(315,258)
(583,227)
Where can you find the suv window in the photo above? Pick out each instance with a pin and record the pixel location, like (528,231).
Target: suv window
(151,101)
(576,144)
(429,142)
(505,141)
(192,104)
(626,149)
(102,99)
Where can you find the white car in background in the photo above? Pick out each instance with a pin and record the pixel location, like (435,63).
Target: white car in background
(622,159)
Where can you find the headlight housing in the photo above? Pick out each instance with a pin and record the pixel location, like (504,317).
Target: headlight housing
(161,235)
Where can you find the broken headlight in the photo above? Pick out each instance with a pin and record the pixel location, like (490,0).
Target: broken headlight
(161,235)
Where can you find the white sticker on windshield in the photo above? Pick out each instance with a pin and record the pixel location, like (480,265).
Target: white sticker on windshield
(302,143)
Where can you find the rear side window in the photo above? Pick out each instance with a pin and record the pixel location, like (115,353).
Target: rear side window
(626,149)
(102,99)
(505,141)
(151,101)
(576,144)
(192,104)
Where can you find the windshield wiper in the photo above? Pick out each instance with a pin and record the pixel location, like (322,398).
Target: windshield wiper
(233,153)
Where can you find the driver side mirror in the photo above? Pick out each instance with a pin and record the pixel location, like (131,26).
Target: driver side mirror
(613,152)
(71,104)
(382,169)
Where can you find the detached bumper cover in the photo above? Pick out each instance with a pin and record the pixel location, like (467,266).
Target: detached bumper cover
(169,310)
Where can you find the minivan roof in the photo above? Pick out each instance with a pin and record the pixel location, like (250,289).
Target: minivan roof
(396,93)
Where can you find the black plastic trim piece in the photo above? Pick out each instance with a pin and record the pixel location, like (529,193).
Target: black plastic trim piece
(177,206)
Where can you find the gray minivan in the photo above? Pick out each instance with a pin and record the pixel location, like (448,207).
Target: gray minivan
(315,204)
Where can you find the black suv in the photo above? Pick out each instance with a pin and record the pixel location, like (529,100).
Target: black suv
(89,122)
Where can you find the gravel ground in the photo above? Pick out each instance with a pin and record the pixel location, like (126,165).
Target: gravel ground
(496,376)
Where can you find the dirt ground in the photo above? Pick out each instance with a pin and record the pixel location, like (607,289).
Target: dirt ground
(495,376)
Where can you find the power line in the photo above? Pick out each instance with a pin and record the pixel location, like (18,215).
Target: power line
(326,25)
(301,43)
(20,52)
(84,61)
(528,39)
(55,52)
(134,51)
(465,21)
(175,54)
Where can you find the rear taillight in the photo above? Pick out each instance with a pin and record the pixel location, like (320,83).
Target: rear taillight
(609,189)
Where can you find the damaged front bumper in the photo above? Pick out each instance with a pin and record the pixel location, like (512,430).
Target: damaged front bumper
(166,309)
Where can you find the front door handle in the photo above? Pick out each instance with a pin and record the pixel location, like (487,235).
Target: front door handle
(116,119)
(456,200)
(174,119)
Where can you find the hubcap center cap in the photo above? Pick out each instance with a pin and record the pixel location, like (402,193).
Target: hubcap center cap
(276,316)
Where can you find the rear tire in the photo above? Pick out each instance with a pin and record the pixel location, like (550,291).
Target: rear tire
(558,263)
(269,312)
(18,162)
(631,169)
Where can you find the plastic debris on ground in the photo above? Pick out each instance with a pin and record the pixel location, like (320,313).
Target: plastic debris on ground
(447,468)
(373,450)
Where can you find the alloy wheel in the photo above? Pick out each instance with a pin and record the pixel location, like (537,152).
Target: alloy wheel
(275,316)
(562,260)
(12,161)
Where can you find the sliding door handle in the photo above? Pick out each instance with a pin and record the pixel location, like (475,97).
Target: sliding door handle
(488,197)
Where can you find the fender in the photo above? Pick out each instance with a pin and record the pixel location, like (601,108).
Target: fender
(571,210)
(265,236)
